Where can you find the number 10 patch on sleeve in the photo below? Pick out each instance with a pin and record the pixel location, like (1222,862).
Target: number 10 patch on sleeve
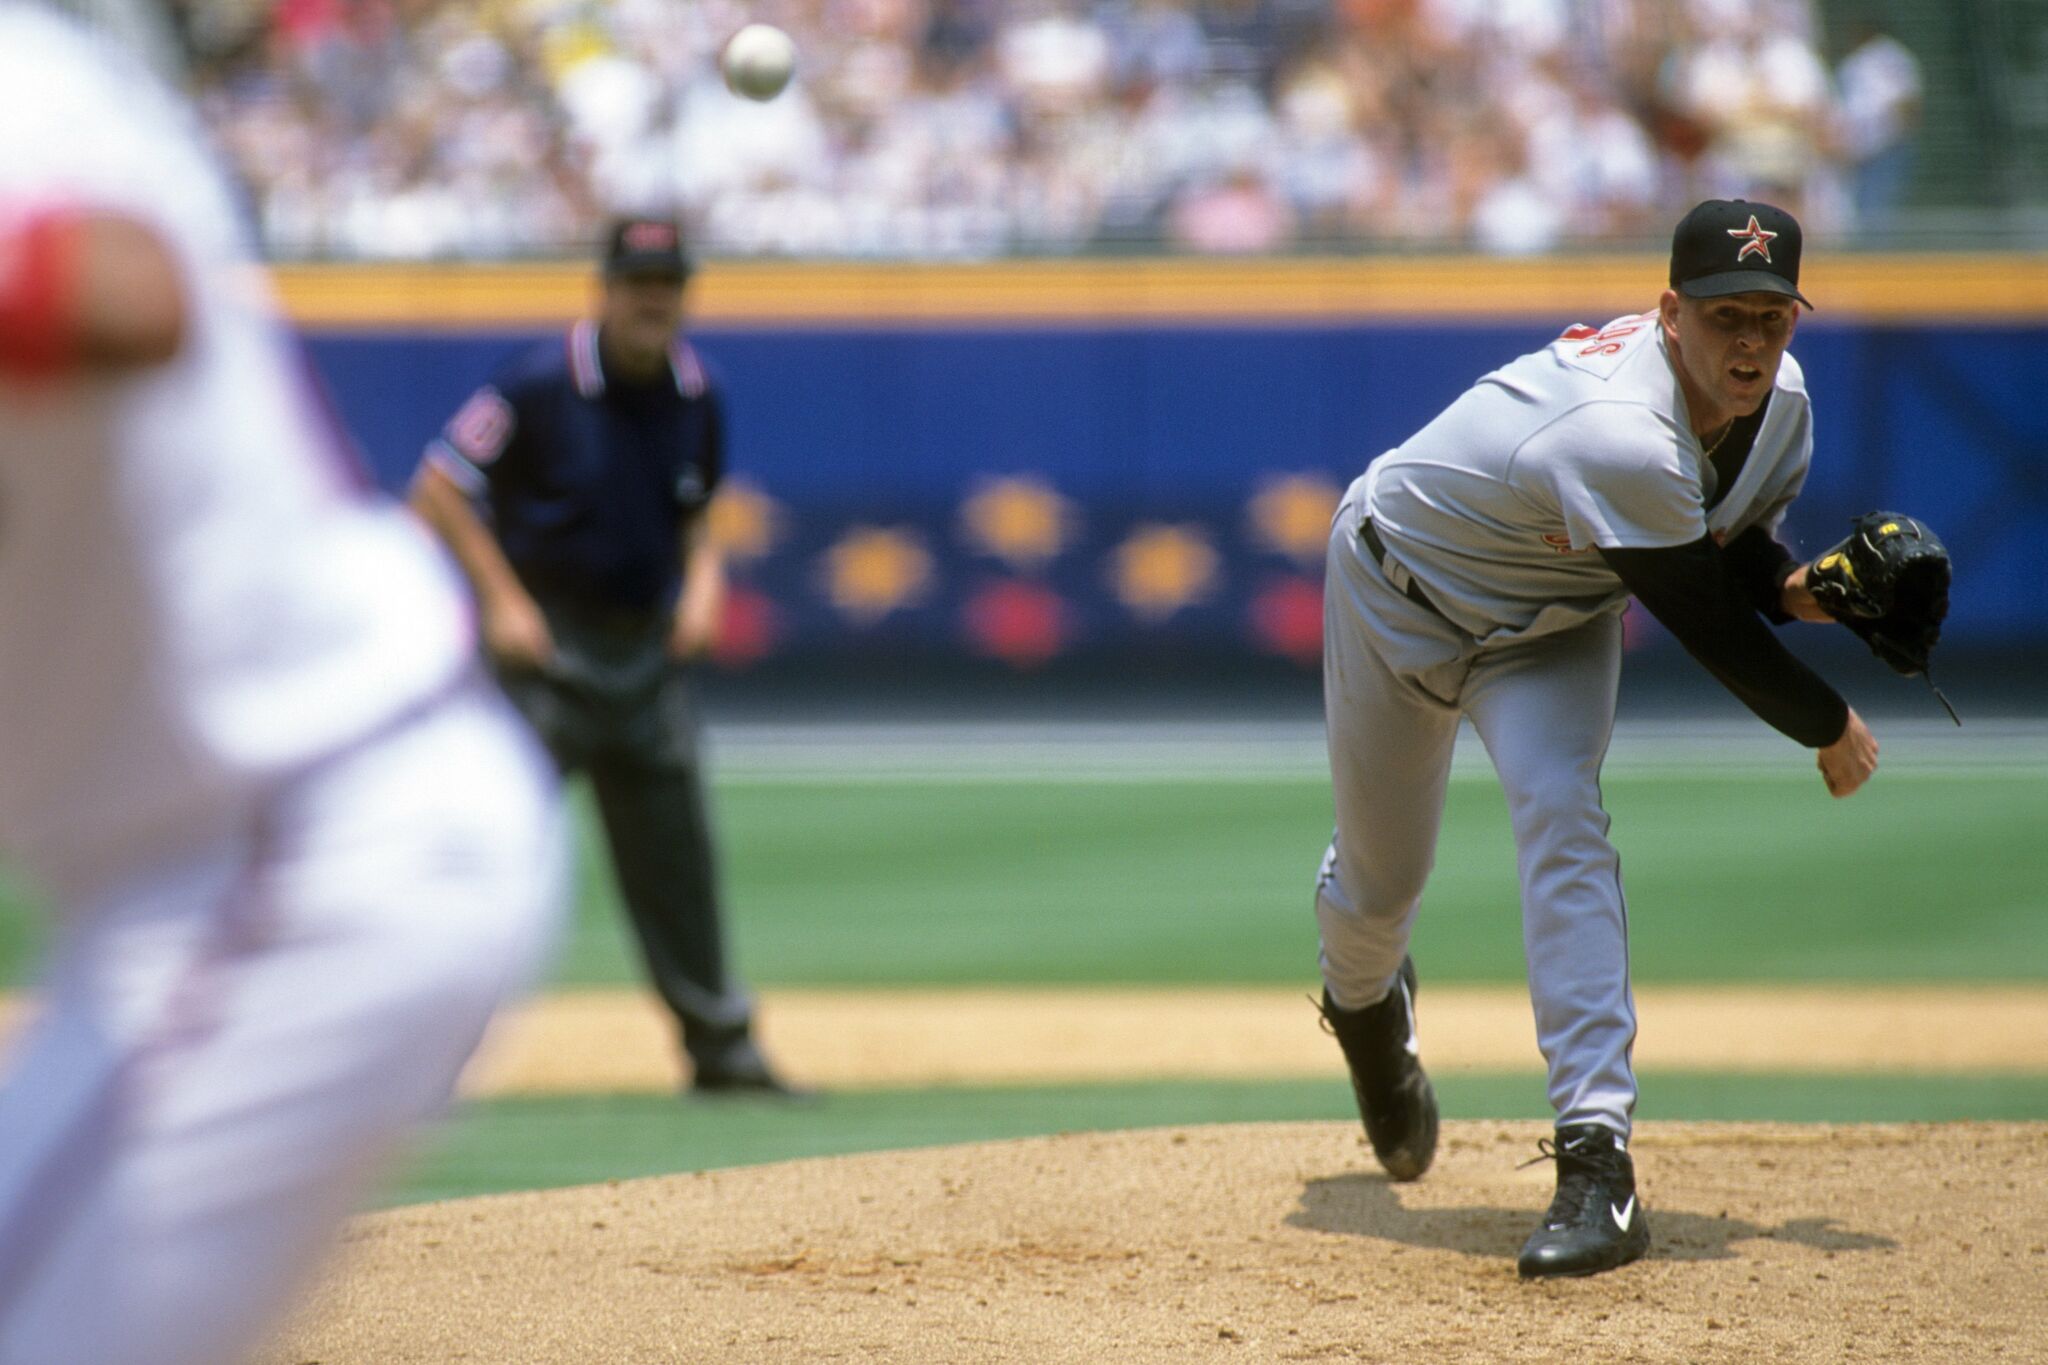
(481,428)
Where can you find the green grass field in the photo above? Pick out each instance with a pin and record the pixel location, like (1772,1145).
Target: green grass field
(1928,875)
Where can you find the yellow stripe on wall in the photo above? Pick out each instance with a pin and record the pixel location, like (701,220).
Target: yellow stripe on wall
(1969,287)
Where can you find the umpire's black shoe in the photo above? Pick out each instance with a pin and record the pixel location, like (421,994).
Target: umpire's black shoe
(738,1069)
(1395,1098)
(1596,1222)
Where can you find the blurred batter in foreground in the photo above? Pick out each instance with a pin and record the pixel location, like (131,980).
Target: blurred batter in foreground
(297,846)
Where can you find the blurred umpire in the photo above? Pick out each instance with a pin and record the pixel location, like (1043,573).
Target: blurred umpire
(573,489)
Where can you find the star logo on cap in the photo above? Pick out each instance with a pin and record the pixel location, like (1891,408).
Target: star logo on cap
(1756,241)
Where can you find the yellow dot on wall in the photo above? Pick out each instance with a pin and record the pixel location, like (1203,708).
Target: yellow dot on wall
(872,571)
(744,521)
(1160,568)
(1021,521)
(1290,515)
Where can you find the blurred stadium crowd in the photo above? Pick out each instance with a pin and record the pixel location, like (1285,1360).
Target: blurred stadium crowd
(436,129)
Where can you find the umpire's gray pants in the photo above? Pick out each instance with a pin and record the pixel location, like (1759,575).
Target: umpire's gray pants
(614,706)
(1396,679)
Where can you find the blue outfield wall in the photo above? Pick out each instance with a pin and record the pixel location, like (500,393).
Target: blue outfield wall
(1057,492)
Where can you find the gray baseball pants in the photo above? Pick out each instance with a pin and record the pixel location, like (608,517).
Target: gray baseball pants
(614,706)
(1396,679)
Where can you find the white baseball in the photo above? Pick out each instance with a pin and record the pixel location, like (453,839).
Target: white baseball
(758,61)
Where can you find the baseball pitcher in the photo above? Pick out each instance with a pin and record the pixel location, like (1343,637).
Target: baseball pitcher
(1479,571)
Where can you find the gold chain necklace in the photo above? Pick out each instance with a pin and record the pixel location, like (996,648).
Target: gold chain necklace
(1728,427)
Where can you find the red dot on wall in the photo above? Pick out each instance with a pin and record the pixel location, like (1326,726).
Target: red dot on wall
(1286,617)
(749,630)
(1023,624)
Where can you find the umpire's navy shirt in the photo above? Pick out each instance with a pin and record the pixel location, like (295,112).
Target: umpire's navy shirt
(588,480)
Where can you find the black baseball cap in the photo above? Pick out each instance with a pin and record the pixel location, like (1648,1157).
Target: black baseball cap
(1736,246)
(646,246)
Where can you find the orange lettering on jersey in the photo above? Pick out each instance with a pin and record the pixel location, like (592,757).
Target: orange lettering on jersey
(1606,340)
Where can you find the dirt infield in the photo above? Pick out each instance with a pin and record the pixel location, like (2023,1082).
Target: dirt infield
(1275,1242)
(621,1041)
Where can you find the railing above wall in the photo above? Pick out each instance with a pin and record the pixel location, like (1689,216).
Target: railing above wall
(1959,287)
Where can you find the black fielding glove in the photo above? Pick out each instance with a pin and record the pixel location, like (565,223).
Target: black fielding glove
(1888,582)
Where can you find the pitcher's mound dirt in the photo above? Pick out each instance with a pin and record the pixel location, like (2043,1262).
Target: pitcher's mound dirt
(1277,1242)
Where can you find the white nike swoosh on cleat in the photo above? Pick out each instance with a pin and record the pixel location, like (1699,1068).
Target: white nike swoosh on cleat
(1414,1043)
(1624,1215)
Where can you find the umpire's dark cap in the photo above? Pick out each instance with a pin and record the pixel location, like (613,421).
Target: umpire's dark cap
(648,248)
(1736,246)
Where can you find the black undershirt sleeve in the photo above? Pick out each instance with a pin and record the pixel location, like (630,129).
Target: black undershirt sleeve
(1760,565)
(1701,599)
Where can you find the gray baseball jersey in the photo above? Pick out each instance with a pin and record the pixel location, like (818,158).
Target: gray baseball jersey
(1495,506)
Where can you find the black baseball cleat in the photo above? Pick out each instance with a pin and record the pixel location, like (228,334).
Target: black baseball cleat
(1395,1098)
(1595,1223)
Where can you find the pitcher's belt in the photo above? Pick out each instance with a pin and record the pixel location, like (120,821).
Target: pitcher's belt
(1396,572)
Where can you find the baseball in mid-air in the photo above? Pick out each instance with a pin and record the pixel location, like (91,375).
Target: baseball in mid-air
(758,61)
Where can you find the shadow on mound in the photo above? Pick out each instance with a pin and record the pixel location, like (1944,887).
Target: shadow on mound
(1362,1205)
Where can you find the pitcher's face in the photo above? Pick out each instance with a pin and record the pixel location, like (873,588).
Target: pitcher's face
(1729,349)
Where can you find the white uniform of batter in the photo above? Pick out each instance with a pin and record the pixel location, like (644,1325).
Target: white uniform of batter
(297,853)
(1494,510)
